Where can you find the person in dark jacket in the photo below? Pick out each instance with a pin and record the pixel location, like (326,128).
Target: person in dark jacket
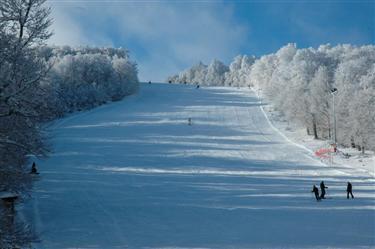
(349,190)
(323,189)
(316,192)
(33,169)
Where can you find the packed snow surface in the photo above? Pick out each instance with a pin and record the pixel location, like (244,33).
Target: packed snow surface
(135,174)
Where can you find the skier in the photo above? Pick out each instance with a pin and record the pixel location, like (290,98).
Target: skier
(323,189)
(316,192)
(189,121)
(33,169)
(349,190)
(197,86)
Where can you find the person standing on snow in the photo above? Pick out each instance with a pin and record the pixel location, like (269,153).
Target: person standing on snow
(316,192)
(349,190)
(323,189)
(33,169)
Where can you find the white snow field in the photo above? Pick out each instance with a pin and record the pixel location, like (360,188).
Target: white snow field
(134,174)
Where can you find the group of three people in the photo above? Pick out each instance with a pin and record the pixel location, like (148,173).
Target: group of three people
(323,191)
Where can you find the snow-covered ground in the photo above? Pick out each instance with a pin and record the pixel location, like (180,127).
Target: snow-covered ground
(345,157)
(134,174)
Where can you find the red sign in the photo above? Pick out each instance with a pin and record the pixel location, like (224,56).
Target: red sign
(324,152)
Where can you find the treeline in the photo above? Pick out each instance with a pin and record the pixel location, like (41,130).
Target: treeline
(301,83)
(83,78)
(39,83)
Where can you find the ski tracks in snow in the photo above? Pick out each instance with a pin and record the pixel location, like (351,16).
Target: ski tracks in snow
(157,182)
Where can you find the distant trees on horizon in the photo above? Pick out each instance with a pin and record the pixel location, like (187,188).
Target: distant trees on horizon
(298,83)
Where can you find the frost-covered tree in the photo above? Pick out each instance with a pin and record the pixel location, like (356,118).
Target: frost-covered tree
(215,73)
(23,30)
(239,71)
(87,77)
(320,101)
(362,112)
(356,63)
(39,83)
(261,72)
(126,73)
(196,74)
(173,79)
(298,83)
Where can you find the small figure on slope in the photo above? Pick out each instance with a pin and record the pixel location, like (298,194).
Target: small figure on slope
(189,121)
(197,86)
(316,192)
(33,169)
(349,190)
(323,189)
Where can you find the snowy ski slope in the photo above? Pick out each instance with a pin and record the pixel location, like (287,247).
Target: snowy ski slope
(134,174)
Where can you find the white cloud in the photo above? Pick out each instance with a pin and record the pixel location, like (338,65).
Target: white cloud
(164,38)
(66,31)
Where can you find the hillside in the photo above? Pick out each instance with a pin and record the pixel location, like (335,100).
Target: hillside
(135,174)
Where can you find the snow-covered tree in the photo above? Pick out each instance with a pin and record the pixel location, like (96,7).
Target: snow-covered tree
(23,30)
(202,74)
(356,63)
(39,83)
(298,82)
(362,112)
(215,73)
(261,72)
(239,71)
(320,101)
(87,77)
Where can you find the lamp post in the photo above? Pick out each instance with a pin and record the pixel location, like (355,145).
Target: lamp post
(333,92)
(260,99)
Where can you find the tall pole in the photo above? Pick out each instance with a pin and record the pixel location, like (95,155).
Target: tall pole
(334,119)
(260,100)
(333,92)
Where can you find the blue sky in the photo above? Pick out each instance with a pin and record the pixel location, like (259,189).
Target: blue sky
(165,37)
